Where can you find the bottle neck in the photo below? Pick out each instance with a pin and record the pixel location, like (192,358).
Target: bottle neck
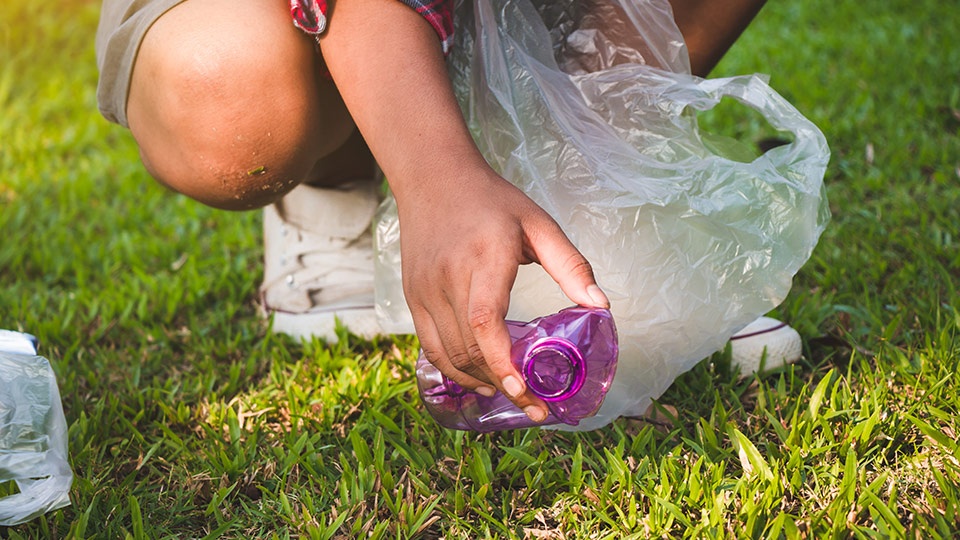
(554,369)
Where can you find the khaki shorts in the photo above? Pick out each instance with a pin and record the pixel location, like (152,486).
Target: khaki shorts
(123,23)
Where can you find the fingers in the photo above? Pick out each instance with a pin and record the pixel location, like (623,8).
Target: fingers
(487,307)
(435,352)
(566,265)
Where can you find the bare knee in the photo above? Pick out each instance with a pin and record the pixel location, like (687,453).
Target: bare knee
(228,113)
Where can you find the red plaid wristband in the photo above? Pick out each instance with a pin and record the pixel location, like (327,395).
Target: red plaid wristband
(311,17)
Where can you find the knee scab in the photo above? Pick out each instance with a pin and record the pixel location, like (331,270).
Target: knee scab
(258,187)
(279,187)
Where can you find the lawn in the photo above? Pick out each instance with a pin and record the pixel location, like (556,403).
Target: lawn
(188,419)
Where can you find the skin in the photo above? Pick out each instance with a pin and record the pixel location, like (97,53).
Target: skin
(710,27)
(235,115)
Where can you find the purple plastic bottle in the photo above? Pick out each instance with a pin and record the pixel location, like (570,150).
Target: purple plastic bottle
(568,359)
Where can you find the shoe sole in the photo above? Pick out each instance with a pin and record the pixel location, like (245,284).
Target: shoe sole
(323,324)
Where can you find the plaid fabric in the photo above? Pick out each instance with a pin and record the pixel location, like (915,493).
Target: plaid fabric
(311,17)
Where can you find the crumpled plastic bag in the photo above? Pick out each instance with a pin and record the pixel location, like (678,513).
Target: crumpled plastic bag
(595,118)
(33,433)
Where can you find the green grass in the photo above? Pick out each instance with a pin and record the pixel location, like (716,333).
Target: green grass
(187,419)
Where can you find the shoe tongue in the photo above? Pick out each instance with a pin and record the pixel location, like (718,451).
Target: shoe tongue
(338,212)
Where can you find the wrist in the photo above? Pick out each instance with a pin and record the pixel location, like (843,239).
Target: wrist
(448,170)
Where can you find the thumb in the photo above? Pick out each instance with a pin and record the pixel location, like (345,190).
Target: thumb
(568,267)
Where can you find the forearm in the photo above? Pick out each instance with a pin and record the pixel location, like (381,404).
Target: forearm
(388,65)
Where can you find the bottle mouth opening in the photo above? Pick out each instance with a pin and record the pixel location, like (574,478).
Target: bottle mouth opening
(554,369)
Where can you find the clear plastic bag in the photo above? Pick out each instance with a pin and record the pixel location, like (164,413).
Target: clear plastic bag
(595,119)
(33,433)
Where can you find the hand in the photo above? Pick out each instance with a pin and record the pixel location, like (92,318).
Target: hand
(461,245)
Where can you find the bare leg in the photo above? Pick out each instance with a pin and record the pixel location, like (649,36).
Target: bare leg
(710,27)
(228,106)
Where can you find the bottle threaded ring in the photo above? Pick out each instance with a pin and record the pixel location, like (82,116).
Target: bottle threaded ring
(554,368)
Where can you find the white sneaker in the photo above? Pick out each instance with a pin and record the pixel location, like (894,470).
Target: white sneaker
(765,344)
(318,262)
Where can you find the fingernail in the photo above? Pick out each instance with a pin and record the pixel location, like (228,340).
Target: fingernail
(486,391)
(596,294)
(535,413)
(512,386)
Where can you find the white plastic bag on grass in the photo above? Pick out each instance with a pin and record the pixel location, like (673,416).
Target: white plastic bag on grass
(595,119)
(33,433)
